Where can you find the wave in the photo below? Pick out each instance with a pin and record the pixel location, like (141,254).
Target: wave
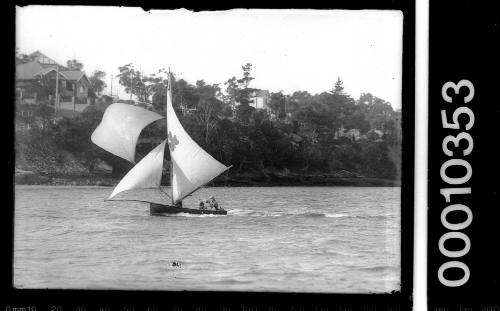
(239,212)
(254,213)
(374,217)
(338,215)
(192,215)
(380,269)
(341,215)
(64,232)
(309,214)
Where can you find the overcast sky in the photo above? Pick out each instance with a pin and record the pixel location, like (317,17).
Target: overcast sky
(290,50)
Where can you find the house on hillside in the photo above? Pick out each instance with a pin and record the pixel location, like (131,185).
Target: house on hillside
(353,134)
(36,84)
(76,87)
(74,84)
(259,99)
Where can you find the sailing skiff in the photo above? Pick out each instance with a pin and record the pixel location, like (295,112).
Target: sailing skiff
(191,167)
(158,209)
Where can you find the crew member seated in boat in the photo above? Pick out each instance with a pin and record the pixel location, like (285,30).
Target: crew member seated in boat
(178,204)
(202,205)
(214,203)
(210,203)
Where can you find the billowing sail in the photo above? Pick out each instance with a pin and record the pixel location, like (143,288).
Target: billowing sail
(192,167)
(120,128)
(145,174)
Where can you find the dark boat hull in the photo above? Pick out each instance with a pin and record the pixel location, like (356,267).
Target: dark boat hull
(158,209)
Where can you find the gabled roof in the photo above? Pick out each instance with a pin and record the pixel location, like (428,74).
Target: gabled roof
(45,71)
(260,93)
(27,70)
(45,61)
(74,75)
(37,55)
(30,70)
(61,68)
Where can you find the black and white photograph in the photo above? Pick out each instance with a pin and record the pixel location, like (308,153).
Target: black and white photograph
(245,150)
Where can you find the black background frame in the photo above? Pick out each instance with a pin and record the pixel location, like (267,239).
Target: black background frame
(464,44)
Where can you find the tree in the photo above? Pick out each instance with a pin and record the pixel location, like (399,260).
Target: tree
(357,120)
(97,83)
(74,64)
(244,112)
(209,108)
(258,117)
(135,83)
(156,85)
(239,94)
(185,95)
(376,161)
(277,103)
(22,58)
(338,89)
(365,99)
(338,104)
(330,109)
(247,78)
(45,114)
(231,90)
(378,111)
(297,100)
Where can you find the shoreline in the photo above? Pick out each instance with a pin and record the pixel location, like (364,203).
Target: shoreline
(270,180)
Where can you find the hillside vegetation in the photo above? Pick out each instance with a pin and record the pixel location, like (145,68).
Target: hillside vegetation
(301,139)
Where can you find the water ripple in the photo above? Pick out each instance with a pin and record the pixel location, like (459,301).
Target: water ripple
(320,239)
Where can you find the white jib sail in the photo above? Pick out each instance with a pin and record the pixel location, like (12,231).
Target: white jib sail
(120,128)
(145,174)
(192,166)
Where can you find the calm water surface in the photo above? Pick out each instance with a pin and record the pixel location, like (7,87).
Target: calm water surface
(286,239)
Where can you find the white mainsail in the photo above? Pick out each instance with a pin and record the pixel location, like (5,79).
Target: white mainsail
(145,174)
(192,167)
(120,128)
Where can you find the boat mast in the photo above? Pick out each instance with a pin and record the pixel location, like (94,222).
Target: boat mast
(169,95)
